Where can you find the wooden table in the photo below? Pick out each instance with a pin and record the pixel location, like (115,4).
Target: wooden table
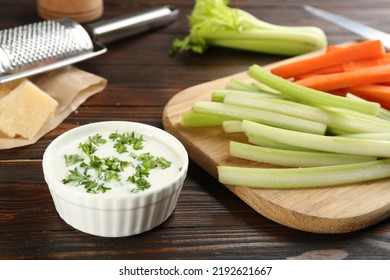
(209,221)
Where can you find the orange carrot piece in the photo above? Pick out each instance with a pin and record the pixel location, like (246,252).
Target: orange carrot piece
(372,75)
(364,50)
(365,63)
(328,70)
(331,48)
(374,93)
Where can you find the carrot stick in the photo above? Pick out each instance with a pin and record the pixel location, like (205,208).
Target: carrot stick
(364,50)
(331,48)
(359,64)
(328,70)
(372,75)
(374,93)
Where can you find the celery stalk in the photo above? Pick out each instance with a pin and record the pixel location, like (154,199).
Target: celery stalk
(193,119)
(235,84)
(311,96)
(265,142)
(355,122)
(264,88)
(374,136)
(285,107)
(383,112)
(292,158)
(308,177)
(232,126)
(377,148)
(219,95)
(214,23)
(262,116)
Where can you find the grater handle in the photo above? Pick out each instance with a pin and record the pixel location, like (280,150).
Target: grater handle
(107,31)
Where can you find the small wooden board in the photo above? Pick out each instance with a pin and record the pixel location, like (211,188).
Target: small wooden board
(321,210)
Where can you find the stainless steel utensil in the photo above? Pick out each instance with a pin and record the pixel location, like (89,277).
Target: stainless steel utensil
(43,46)
(351,25)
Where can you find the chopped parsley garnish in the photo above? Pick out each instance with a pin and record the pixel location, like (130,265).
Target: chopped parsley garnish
(122,140)
(94,172)
(72,159)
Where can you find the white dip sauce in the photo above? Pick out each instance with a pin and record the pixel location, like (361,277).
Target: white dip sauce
(158,177)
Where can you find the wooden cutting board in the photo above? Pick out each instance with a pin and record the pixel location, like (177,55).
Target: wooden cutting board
(321,210)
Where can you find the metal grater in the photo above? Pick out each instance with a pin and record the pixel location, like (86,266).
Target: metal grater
(25,47)
(47,45)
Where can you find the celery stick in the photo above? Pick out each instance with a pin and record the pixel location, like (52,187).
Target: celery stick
(262,42)
(265,142)
(270,118)
(383,113)
(292,158)
(193,119)
(333,144)
(232,126)
(235,84)
(219,95)
(310,96)
(213,22)
(308,177)
(374,136)
(285,107)
(355,122)
(264,88)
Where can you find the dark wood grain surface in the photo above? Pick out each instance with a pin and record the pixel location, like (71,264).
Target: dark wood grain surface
(209,222)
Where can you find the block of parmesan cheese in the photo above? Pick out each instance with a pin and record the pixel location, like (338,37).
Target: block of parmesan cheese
(25,111)
(6,88)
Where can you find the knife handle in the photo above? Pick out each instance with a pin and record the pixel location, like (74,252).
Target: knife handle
(107,31)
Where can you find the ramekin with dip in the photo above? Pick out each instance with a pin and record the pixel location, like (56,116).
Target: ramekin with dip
(115,178)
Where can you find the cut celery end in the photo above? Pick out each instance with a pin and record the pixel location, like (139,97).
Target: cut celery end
(292,158)
(284,107)
(332,144)
(310,96)
(219,95)
(308,177)
(193,119)
(232,126)
(266,117)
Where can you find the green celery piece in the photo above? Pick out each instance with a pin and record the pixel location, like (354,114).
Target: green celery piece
(308,95)
(307,177)
(265,142)
(264,88)
(374,136)
(235,84)
(280,106)
(213,22)
(219,95)
(281,42)
(383,112)
(355,122)
(292,158)
(262,116)
(232,126)
(377,148)
(194,119)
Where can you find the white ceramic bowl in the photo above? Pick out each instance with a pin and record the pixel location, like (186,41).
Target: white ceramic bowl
(114,214)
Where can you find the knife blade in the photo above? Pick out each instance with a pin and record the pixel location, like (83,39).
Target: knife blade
(351,25)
